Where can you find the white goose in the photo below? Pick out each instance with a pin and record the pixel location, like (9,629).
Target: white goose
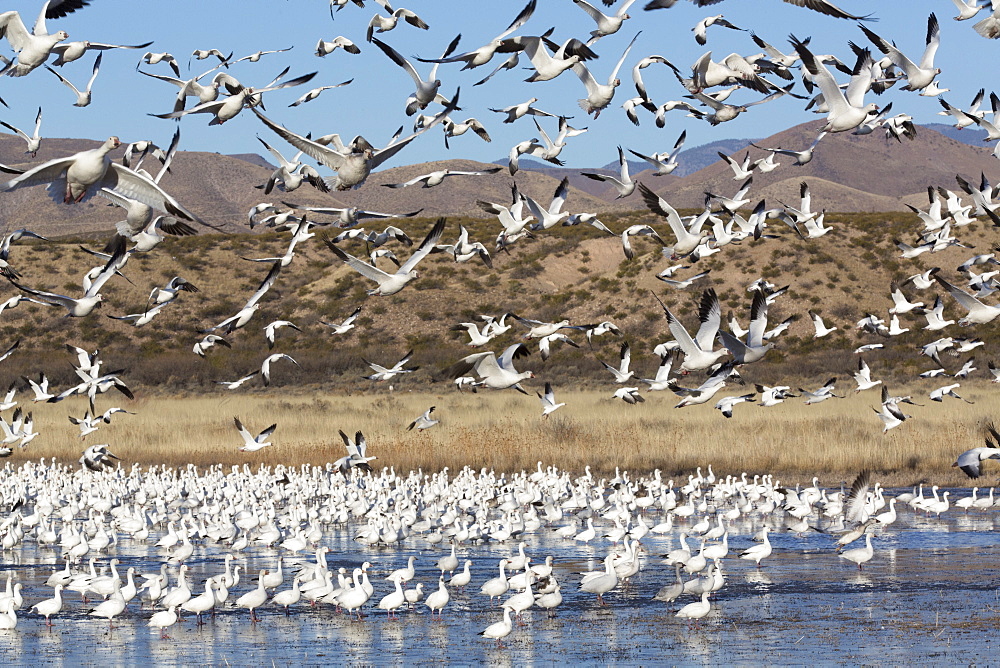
(35,140)
(33,48)
(497,373)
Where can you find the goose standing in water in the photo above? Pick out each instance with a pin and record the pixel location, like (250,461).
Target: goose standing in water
(499,630)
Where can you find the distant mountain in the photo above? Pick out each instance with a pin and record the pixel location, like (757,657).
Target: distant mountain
(972,136)
(849,172)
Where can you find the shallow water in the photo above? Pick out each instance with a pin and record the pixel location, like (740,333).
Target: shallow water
(930,594)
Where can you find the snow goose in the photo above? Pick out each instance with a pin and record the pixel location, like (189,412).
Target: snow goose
(846,110)
(726,404)
(346,325)
(978,313)
(35,140)
(437,177)
(424,422)
(163,620)
(240,97)
(624,185)
(112,607)
(393,601)
(599,95)
(686,241)
(499,630)
(754,349)
(381,23)
(696,610)
(547,66)
(552,216)
(990,26)
(970,461)
(462,578)
(50,606)
(860,555)
(602,583)
(265,368)
(701,28)
(496,373)
(665,162)
(439,598)
(947,391)
(203,602)
(821,328)
(918,77)
(384,373)
(863,377)
(426,90)
(82,97)
(629,395)
(548,400)
(324,48)
(151,58)
(708,389)
(253,443)
(390,284)
(622,373)
(522,109)
(495,587)
(759,552)
(254,598)
(77,177)
(289,597)
(235,384)
(33,48)
(801,157)
(606,25)
(698,353)
(356,454)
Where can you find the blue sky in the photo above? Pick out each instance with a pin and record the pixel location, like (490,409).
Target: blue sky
(373,104)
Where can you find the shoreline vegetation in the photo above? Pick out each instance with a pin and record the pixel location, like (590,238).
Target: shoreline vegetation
(504,431)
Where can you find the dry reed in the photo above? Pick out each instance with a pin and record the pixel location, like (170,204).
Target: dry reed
(504,431)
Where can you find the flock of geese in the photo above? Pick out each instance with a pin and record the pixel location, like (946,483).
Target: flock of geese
(690,535)
(199,518)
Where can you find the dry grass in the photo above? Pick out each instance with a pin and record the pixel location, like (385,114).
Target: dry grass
(504,431)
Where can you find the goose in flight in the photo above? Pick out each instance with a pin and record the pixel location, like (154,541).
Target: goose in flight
(239,98)
(172,290)
(726,404)
(947,391)
(81,175)
(346,325)
(315,92)
(324,48)
(599,95)
(820,326)
(801,157)
(553,215)
(151,58)
(425,421)
(708,389)
(265,367)
(686,241)
(624,184)
(98,457)
(140,319)
(978,312)
(350,216)
(629,395)
(35,140)
(701,28)
(437,177)
(521,110)
(381,23)
(253,443)
(496,373)
(356,454)
(243,316)
(971,461)
(863,377)
(755,348)
(427,90)
(92,298)
(698,353)
(918,77)
(485,53)
(666,162)
(207,342)
(272,327)
(384,373)
(606,25)
(622,373)
(33,48)
(235,384)
(548,66)
(846,109)
(390,284)
(548,400)
(354,162)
